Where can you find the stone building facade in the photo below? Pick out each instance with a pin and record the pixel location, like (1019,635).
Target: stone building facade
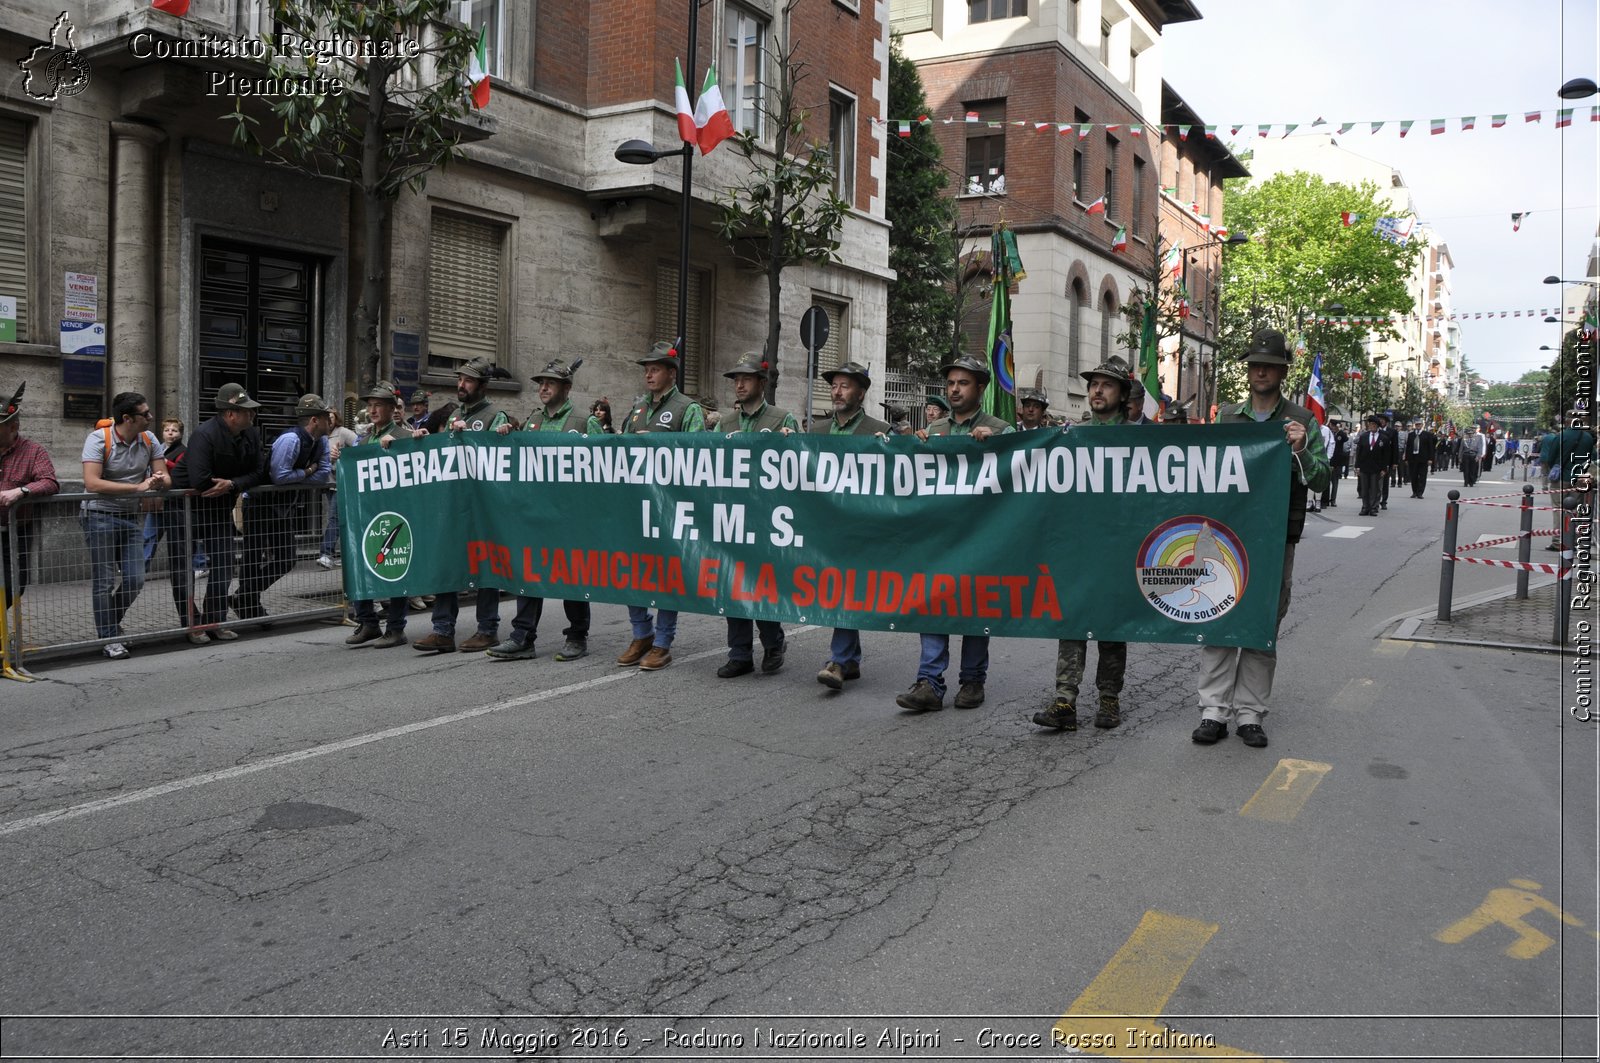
(124,203)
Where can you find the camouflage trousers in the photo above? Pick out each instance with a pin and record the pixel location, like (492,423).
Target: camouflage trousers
(1071,657)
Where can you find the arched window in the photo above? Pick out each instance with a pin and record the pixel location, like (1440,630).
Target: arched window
(1108,326)
(1079,306)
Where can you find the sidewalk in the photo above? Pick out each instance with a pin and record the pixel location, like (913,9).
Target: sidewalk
(1495,620)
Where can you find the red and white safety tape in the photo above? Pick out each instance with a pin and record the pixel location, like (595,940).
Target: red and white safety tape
(1530,566)
(1506,505)
(1492,542)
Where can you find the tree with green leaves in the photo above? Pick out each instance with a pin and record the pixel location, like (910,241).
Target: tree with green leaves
(787,209)
(922,240)
(1301,259)
(397,116)
(1575,364)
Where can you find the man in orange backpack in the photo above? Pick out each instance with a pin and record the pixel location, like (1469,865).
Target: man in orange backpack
(123,466)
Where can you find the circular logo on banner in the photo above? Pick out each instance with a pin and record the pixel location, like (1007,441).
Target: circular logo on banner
(386,547)
(1192,569)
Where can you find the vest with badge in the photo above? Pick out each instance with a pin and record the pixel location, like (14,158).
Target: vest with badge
(865,426)
(390,431)
(945,426)
(571,421)
(770,419)
(478,417)
(1241,414)
(668,417)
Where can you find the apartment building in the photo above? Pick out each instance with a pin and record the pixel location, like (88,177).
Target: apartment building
(124,204)
(1031,73)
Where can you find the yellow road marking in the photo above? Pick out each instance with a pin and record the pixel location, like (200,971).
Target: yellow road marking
(1393,648)
(1286,790)
(1506,908)
(1117,1012)
(1357,694)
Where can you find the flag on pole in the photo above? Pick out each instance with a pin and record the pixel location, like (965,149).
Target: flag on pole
(1097,207)
(686,128)
(1119,242)
(1148,358)
(172,7)
(477,70)
(1314,400)
(999,396)
(711,114)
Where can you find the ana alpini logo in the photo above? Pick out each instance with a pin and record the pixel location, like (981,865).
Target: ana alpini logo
(55,68)
(1192,569)
(386,547)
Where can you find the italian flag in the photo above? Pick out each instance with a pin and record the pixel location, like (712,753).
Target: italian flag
(172,7)
(1097,207)
(711,114)
(1119,242)
(478,71)
(686,126)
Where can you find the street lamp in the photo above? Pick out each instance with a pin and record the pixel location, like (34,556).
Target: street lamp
(643,153)
(1553,279)
(1577,89)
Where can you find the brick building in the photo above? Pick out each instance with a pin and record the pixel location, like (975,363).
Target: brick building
(206,264)
(1031,73)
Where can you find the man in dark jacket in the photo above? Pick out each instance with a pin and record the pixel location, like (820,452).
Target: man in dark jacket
(1373,458)
(225,457)
(1419,457)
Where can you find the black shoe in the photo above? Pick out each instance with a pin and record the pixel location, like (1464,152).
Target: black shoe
(1252,735)
(970,696)
(1209,732)
(1062,715)
(573,649)
(772,660)
(733,669)
(1383,505)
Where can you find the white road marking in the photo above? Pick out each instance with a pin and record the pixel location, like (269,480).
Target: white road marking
(1348,531)
(105,804)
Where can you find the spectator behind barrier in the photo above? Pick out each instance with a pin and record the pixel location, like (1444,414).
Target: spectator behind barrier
(123,467)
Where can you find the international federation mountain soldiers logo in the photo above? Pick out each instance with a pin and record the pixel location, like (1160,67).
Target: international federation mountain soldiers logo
(1192,569)
(386,547)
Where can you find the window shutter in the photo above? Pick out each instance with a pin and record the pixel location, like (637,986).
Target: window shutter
(666,313)
(13,219)
(911,16)
(830,355)
(465,266)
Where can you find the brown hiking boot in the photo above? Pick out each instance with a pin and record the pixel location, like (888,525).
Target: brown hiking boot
(435,643)
(1110,713)
(921,698)
(658,658)
(635,652)
(390,640)
(970,696)
(479,642)
(363,634)
(832,676)
(1063,716)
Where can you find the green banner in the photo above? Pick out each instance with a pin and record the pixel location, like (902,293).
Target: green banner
(1159,533)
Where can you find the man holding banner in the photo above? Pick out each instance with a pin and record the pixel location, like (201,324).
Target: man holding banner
(383,402)
(1109,387)
(752,413)
(1235,683)
(847,387)
(555,413)
(965,380)
(662,408)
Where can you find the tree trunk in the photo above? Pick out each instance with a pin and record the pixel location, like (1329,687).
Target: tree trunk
(367,342)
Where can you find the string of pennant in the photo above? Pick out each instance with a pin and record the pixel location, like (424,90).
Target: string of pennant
(1435,126)
(1465,315)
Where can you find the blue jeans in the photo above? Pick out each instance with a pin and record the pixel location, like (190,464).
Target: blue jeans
(846,646)
(664,629)
(936,658)
(116,560)
(446,605)
(525,625)
(330,534)
(741,639)
(394,613)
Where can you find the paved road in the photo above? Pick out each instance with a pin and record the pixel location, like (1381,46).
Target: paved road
(284,827)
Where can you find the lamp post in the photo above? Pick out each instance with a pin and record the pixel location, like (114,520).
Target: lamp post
(643,153)
(1204,397)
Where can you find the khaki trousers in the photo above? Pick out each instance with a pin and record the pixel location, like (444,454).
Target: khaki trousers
(1235,682)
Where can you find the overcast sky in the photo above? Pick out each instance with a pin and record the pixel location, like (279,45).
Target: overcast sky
(1281,61)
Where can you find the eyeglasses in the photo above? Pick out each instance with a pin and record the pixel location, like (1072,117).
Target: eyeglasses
(146,414)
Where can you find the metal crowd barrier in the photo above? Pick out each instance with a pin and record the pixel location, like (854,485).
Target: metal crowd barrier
(268,547)
(1524,566)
